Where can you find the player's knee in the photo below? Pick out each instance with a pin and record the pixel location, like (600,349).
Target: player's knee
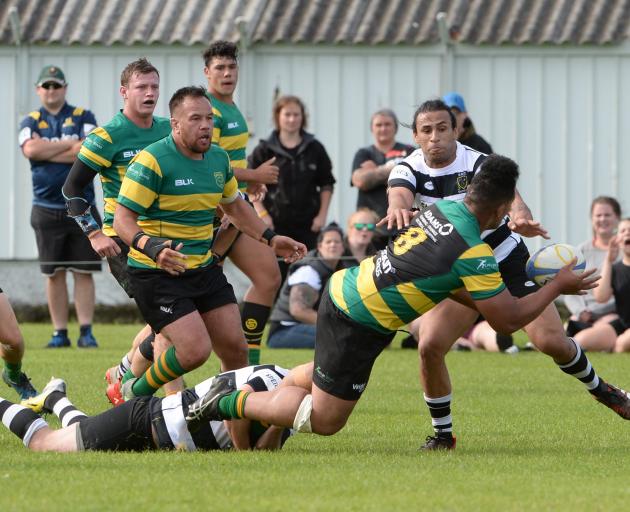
(430,347)
(323,423)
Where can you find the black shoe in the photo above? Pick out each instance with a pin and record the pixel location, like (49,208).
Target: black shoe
(613,398)
(409,342)
(439,443)
(206,408)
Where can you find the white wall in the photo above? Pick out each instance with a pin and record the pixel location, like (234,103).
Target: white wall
(560,112)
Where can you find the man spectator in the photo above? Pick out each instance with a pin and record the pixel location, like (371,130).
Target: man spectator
(466,133)
(372,164)
(50,138)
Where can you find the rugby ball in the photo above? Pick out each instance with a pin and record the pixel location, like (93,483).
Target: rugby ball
(544,264)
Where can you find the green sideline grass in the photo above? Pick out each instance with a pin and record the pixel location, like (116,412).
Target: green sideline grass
(529,438)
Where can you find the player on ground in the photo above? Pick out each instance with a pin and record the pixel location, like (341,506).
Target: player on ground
(231,133)
(439,255)
(165,213)
(146,423)
(443,168)
(107,151)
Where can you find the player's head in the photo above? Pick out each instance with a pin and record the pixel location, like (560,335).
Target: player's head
(434,130)
(221,68)
(491,192)
(51,87)
(289,114)
(191,120)
(330,242)
(605,215)
(140,88)
(384,125)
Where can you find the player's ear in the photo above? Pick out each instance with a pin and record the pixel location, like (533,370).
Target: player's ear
(123,92)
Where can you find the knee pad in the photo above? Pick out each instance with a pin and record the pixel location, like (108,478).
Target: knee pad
(146,347)
(302,421)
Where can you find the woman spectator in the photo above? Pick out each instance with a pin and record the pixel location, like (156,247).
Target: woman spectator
(585,310)
(358,244)
(294,316)
(612,336)
(297,206)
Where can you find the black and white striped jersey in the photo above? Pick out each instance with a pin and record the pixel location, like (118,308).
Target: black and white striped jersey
(430,185)
(213,435)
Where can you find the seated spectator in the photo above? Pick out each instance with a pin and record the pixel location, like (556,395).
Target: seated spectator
(613,336)
(466,133)
(585,310)
(358,242)
(294,315)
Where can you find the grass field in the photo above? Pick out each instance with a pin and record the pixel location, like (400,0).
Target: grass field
(529,438)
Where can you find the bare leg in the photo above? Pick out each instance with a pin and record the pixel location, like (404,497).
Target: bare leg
(547,334)
(623,342)
(57,296)
(11,341)
(84,297)
(49,440)
(224,326)
(599,338)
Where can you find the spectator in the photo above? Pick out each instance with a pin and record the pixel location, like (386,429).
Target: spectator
(371,166)
(294,316)
(585,310)
(358,244)
(613,336)
(466,133)
(50,138)
(297,206)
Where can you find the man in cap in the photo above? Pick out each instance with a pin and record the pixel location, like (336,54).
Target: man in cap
(466,133)
(50,138)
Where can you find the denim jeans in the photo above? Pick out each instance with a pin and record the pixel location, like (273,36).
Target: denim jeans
(293,336)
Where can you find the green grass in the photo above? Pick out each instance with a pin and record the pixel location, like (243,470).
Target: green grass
(529,438)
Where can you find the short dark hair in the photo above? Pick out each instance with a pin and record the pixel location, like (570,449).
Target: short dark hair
(436,105)
(333,226)
(225,49)
(495,182)
(192,91)
(141,66)
(610,201)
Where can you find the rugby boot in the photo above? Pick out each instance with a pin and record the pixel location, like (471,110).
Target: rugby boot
(613,398)
(112,375)
(37,403)
(439,443)
(114,394)
(206,408)
(22,385)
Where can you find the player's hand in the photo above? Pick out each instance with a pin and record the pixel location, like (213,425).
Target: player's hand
(103,245)
(396,218)
(570,283)
(267,173)
(287,248)
(318,223)
(528,228)
(256,191)
(171,260)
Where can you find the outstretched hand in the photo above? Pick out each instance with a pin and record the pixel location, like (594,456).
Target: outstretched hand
(396,218)
(571,283)
(528,228)
(287,248)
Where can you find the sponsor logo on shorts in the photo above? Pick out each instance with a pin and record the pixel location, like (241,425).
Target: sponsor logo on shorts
(359,387)
(167,309)
(530,283)
(320,373)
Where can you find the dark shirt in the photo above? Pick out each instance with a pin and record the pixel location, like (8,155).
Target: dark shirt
(477,142)
(48,177)
(620,281)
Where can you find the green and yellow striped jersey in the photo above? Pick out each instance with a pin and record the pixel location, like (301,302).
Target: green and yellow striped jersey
(231,133)
(108,150)
(176,198)
(440,252)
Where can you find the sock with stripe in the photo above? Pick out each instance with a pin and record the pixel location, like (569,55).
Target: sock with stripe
(20,420)
(58,403)
(440,410)
(124,366)
(165,369)
(233,404)
(13,370)
(580,368)
(254,318)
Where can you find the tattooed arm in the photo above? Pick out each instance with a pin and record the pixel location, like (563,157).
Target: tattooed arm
(302,300)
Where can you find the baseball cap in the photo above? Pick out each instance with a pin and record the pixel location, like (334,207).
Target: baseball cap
(453,99)
(51,74)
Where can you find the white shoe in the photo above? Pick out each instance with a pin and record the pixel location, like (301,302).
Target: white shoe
(36,403)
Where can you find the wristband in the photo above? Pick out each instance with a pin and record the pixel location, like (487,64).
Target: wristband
(152,247)
(267,235)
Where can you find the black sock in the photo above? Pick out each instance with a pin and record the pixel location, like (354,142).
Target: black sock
(504,341)
(61,332)
(440,409)
(20,420)
(580,368)
(58,403)
(255,318)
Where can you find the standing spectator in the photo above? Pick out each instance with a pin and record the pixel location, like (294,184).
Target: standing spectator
(51,138)
(466,133)
(585,310)
(371,167)
(297,206)
(358,243)
(295,314)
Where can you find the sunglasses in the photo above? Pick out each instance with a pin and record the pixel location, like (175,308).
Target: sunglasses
(370,226)
(51,85)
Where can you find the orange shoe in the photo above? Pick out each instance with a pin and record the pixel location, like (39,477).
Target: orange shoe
(112,375)
(114,395)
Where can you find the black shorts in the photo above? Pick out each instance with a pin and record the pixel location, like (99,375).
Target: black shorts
(619,326)
(118,267)
(163,298)
(345,351)
(123,428)
(513,272)
(61,243)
